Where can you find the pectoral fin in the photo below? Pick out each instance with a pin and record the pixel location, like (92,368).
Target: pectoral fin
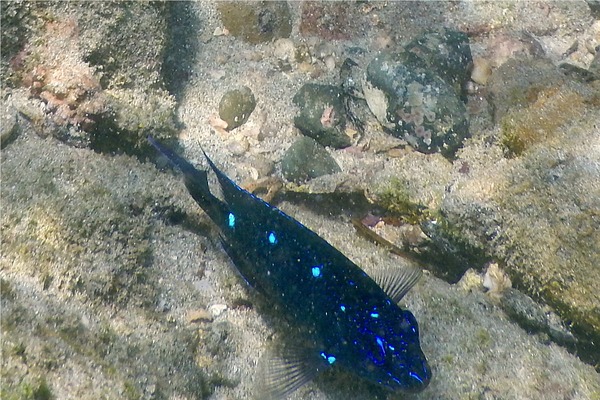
(282,374)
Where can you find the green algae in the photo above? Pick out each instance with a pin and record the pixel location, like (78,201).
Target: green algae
(256,22)
(395,198)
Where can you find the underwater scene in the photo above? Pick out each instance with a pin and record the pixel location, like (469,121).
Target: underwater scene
(304,200)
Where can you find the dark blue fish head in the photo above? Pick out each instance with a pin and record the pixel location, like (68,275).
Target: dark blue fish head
(391,354)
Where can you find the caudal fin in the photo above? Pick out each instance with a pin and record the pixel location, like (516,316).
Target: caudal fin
(196,182)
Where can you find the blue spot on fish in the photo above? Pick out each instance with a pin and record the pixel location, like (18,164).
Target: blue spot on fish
(231,220)
(316,271)
(374,315)
(343,308)
(329,358)
(380,344)
(272,238)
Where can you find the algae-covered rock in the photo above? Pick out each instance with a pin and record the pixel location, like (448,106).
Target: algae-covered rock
(517,82)
(322,115)
(256,22)
(306,159)
(79,289)
(76,52)
(236,106)
(538,212)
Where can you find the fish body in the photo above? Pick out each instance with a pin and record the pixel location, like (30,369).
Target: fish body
(351,321)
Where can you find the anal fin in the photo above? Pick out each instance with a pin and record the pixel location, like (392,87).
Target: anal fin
(242,265)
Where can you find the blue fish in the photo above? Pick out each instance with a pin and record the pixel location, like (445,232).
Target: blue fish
(351,320)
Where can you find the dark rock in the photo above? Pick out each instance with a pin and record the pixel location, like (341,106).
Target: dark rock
(306,159)
(446,53)
(322,114)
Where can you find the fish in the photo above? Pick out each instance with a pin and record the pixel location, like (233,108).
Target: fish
(351,321)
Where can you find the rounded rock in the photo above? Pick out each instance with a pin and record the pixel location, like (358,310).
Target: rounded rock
(236,106)
(415,105)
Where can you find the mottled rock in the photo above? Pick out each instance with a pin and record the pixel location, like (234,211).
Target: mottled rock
(445,52)
(416,105)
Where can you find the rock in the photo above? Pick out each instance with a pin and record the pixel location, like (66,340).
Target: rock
(594,8)
(322,114)
(446,53)
(306,159)
(256,22)
(76,226)
(416,105)
(536,212)
(9,127)
(535,318)
(517,83)
(75,53)
(594,67)
(236,106)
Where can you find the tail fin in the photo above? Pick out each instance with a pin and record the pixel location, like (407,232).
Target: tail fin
(196,182)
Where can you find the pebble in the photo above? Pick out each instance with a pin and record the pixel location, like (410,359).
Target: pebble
(482,70)
(9,127)
(198,315)
(217,309)
(236,106)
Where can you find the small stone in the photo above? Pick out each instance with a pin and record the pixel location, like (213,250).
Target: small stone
(594,68)
(284,49)
(495,281)
(236,106)
(482,70)
(198,315)
(217,309)
(330,63)
(306,159)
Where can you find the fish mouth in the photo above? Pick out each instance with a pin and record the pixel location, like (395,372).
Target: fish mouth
(418,380)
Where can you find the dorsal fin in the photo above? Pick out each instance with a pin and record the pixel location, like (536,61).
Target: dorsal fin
(397,281)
